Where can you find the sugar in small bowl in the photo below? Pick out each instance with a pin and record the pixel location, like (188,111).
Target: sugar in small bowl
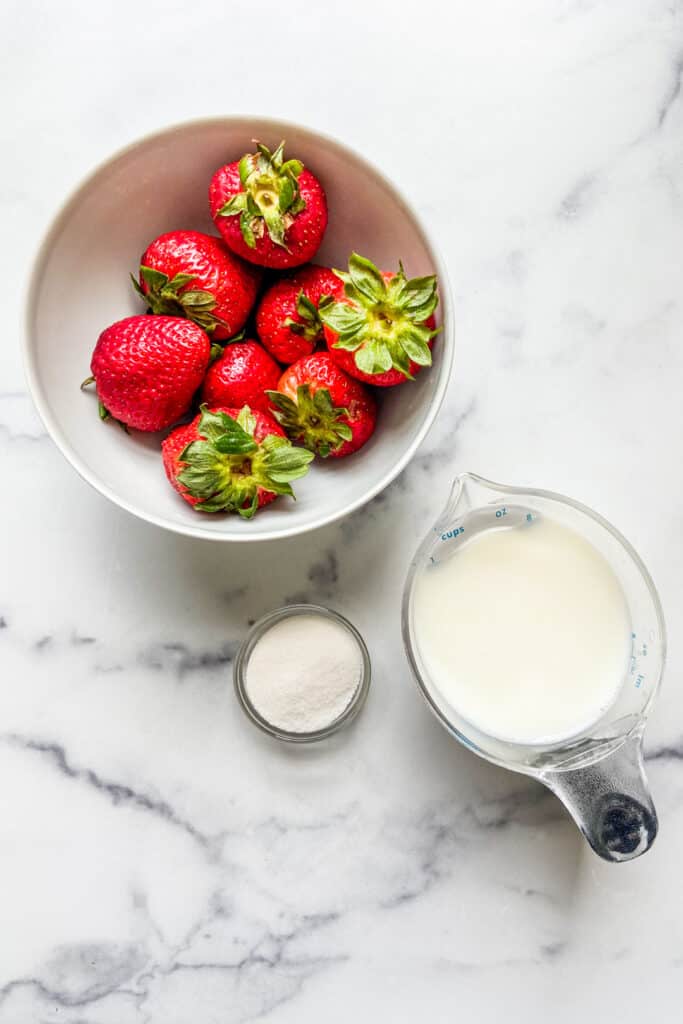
(302,673)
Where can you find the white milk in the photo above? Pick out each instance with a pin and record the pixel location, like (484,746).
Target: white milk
(524,631)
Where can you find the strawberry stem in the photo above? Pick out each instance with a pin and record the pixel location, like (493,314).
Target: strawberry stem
(270,197)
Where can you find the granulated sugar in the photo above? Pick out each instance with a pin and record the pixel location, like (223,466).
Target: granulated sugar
(303,673)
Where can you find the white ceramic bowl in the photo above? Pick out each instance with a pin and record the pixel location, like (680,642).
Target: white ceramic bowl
(80,285)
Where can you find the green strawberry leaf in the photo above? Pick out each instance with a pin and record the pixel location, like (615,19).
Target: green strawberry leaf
(211,424)
(342,318)
(235,442)
(287,194)
(247,232)
(306,309)
(282,402)
(292,167)
(401,362)
(419,299)
(249,511)
(138,289)
(285,463)
(366,279)
(274,224)
(271,159)
(311,328)
(322,400)
(413,340)
(196,300)
(351,339)
(154,279)
(245,168)
(245,419)
(237,204)
(178,281)
(374,357)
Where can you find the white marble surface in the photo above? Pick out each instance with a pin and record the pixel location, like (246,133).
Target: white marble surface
(160,861)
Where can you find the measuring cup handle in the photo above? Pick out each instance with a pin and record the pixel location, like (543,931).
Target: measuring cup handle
(610,802)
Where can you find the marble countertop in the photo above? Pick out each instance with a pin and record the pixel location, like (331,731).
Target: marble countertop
(162,862)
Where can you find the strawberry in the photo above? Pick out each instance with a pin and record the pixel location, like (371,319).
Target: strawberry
(322,408)
(269,211)
(382,328)
(287,318)
(241,376)
(147,369)
(232,460)
(187,273)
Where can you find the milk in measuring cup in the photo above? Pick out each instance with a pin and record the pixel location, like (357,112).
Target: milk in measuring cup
(524,630)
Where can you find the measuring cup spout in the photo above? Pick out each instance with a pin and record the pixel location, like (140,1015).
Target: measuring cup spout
(610,802)
(469,491)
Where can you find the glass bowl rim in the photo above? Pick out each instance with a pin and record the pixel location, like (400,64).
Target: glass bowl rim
(259,628)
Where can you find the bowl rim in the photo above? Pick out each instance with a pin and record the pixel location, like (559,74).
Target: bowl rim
(61,216)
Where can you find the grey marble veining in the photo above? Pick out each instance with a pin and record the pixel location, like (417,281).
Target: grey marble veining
(162,862)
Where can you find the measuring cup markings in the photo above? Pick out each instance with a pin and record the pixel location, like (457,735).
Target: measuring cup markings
(452,534)
(639,650)
(513,516)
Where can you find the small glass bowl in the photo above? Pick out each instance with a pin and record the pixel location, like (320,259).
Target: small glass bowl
(242,660)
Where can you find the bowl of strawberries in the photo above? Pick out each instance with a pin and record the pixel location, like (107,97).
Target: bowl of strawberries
(258,323)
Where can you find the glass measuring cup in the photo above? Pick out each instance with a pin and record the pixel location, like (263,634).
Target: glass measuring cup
(598,773)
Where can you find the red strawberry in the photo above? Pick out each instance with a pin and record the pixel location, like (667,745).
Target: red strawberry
(322,408)
(381,329)
(232,460)
(269,211)
(241,376)
(147,369)
(187,273)
(287,318)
